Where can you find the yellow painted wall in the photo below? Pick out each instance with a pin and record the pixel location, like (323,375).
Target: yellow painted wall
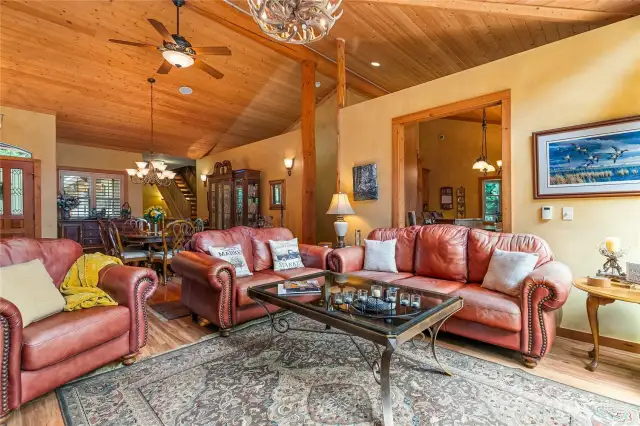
(268,157)
(152,197)
(36,132)
(70,155)
(586,78)
(450,160)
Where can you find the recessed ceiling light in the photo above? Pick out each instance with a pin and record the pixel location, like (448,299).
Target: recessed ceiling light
(185,90)
(318,84)
(375,64)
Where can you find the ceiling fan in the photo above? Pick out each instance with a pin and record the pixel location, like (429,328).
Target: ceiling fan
(177,51)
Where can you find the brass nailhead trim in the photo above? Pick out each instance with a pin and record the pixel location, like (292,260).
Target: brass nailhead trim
(531,289)
(226,297)
(142,302)
(5,364)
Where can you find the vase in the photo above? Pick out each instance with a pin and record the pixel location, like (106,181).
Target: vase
(155,228)
(66,214)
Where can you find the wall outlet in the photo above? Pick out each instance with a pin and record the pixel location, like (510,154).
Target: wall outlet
(567,213)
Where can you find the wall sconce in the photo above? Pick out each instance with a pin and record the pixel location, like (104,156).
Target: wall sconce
(288,163)
(1,120)
(203,178)
(499,163)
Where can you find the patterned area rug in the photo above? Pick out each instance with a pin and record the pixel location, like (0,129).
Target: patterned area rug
(320,379)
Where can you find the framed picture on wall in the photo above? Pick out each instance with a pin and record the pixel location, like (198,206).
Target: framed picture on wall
(446,198)
(591,160)
(365,182)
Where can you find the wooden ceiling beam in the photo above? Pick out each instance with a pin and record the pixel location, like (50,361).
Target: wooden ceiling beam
(523,11)
(243,24)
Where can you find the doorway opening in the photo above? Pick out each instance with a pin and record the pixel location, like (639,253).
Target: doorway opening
(449,167)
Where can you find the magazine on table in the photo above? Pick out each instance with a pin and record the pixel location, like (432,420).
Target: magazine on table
(299,287)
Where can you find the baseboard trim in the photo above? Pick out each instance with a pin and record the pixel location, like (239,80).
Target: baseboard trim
(609,342)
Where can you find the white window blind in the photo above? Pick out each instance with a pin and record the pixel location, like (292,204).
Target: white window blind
(95,190)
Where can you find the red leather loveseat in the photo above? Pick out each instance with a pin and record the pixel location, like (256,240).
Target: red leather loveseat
(48,353)
(210,287)
(454,260)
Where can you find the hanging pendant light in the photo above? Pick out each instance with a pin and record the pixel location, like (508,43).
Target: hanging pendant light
(155,171)
(482,163)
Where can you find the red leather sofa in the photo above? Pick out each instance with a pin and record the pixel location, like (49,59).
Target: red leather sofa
(454,260)
(210,287)
(48,353)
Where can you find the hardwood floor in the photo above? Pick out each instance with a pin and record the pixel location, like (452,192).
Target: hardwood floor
(617,376)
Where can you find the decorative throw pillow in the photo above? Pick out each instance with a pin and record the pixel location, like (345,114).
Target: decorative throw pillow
(286,255)
(233,255)
(380,255)
(29,287)
(507,270)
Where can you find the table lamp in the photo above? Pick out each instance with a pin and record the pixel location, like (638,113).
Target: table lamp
(340,206)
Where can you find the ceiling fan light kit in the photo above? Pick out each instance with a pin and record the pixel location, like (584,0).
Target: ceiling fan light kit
(295,21)
(178,59)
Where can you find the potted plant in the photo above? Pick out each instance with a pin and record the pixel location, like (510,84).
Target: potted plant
(66,203)
(154,214)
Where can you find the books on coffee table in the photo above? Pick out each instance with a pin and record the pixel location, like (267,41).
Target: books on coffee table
(299,287)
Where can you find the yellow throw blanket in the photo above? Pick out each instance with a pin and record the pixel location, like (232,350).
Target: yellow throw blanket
(80,286)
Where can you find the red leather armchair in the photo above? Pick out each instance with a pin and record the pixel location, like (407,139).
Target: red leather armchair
(210,287)
(454,260)
(48,353)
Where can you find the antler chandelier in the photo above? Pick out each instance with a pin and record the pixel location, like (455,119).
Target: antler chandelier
(295,21)
(155,172)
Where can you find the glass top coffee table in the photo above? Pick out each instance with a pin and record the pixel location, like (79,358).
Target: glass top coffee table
(383,313)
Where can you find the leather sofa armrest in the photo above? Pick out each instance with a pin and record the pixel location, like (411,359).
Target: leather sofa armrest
(549,285)
(314,256)
(10,347)
(131,287)
(205,269)
(346,259)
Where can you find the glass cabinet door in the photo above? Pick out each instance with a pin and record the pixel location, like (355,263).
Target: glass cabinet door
(253,207)
(226,205)
(239,202)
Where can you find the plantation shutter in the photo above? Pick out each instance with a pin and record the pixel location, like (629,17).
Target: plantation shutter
(78,186)
(108,195)
(94,190)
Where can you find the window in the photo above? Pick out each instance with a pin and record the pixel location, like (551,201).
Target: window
(94,190)
(491,200)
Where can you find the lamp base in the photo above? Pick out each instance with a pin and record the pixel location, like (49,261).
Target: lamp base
(341,228)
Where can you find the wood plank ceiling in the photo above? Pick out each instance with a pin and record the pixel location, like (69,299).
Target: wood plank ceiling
(55,56)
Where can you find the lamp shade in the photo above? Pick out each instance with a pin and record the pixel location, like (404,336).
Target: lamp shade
(340,205)
(480,165)
(178,59)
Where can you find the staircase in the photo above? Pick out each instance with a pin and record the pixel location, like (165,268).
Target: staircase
(187,193)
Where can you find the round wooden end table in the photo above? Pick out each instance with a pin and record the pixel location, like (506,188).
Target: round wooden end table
(602,296)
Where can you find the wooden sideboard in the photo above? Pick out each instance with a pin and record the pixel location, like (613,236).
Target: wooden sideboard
(84,231)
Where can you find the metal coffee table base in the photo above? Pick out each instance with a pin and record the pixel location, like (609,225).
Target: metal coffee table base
(380,365)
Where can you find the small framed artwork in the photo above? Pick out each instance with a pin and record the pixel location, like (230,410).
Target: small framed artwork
(591,160)
(446,198)
(633,272)
(276,194)
(365,182)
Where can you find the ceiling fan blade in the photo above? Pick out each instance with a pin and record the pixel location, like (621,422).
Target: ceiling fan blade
(165,68)
(132,43)
(209,69)
(161,29)
(218,50)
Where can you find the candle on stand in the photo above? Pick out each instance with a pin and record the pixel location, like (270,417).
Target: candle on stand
(376,291)
(612,244)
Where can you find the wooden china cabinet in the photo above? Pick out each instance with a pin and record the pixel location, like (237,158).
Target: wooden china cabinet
(233,197)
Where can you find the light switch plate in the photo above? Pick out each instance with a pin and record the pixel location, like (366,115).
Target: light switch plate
(567,213)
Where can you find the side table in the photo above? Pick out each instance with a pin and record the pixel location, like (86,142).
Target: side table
(602,296)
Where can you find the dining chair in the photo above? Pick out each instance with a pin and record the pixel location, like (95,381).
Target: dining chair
(136,226)
(198,225)
(103,227)
(126,256)
(175,235)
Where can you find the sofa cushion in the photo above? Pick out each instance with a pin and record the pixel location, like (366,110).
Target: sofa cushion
(405,247)
(431,284)
(201,241)
(233,255)
(441,252)
(507,270)
(292,273)
(386,277)
(490,308)
(482,243)
(29,287)
(380,255)
(243,284)
(57,255)
(66,334)
(286,255)
(261,250)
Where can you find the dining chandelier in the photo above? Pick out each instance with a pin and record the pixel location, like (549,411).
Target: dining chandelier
(295,21)
(153,172)
(482,163)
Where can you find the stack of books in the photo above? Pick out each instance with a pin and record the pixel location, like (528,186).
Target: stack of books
(299,287)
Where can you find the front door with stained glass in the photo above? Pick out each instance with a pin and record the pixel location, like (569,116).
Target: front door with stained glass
(17,207)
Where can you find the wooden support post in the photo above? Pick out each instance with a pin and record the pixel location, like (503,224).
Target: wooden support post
(308,129)
(341,91)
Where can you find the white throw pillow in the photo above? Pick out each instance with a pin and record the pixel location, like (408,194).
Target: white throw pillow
(380,255)
(233,255)
(507,270)
(30,287)
(286,255)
